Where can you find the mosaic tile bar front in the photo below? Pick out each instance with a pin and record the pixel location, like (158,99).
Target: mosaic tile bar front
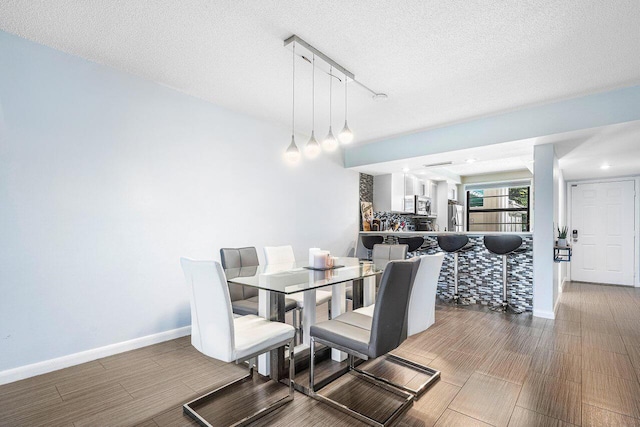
(480,272)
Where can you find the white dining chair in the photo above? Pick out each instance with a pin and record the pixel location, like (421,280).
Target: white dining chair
(217,334)
(422,304)
(283,255)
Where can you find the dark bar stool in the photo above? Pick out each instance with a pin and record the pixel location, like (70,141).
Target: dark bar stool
(369,242)
(414,243)
(503,245)
(455,243)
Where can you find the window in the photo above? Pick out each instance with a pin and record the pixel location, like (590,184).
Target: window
(498,208)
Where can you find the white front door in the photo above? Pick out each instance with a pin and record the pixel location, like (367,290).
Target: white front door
(602,232)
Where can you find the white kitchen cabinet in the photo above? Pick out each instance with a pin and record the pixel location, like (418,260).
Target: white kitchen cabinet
(433,194)
(452,192)
(389,192)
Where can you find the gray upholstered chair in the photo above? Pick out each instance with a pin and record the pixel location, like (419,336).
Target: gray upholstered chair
(422,304)
(368,337)
(217,334)
(244,299)
(382,254)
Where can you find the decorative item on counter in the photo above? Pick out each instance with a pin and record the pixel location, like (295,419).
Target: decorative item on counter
(367,215)
(562,236)
(375,225)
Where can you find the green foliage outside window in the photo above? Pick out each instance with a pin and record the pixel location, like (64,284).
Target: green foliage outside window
(476,198)
(520,195)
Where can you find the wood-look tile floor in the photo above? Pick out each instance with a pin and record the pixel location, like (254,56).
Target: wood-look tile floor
(497,370)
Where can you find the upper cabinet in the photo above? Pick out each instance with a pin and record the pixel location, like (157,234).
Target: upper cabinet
(390,191)
(452,191)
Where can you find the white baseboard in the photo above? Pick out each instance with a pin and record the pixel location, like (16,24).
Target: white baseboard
(562,286)
(27,371)
(544,314)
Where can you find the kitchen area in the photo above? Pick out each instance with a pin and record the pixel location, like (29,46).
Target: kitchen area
(405,204)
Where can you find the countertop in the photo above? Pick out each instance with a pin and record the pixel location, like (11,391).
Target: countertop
(436,233)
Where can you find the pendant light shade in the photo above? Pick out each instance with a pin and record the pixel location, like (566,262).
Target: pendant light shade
(312,149)
(292,154)
(330,143)
(346,136)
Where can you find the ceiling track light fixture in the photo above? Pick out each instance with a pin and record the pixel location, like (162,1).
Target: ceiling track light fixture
(328,65)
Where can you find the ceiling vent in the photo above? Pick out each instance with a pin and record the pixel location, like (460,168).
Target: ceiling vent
(433,165)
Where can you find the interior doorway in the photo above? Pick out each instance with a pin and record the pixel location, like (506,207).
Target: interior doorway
(602,232)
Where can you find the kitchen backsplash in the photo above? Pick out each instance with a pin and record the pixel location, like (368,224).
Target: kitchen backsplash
(391,217)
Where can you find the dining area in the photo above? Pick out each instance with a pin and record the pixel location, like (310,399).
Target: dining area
(291,320)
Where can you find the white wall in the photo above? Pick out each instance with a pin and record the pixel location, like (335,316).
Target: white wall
(106,180)
(544,211)
(561,209)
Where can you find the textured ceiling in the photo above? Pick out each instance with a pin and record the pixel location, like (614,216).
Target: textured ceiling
(439,61)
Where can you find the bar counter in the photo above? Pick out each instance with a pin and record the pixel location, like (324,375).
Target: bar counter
(480,271)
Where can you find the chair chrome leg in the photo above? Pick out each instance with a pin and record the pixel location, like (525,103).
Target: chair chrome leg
(292,366)
(417,392)
(312,357)
(188,408)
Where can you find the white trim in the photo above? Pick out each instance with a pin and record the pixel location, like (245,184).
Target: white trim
(564,279)
(544,314)
(27,371)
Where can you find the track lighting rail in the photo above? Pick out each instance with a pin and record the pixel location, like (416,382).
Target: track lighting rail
(303,45)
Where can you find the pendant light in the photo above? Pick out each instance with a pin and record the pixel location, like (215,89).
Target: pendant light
(312,149)
(346,136)
(330,143)
(293,154)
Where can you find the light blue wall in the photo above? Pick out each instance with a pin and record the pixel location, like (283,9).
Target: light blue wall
(106,180)
(590,111)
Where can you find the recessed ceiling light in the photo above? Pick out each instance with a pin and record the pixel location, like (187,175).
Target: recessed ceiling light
(605,166)
(470,160)
(405,170)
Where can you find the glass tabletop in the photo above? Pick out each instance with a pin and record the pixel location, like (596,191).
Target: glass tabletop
(290,278)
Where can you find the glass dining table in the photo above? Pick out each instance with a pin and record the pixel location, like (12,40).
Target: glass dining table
(275,281)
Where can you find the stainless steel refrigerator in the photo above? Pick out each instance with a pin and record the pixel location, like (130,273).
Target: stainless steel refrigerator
(455,220)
